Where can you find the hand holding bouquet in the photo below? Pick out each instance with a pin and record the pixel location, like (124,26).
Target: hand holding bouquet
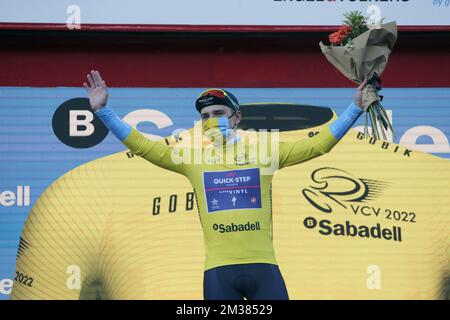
(360,53)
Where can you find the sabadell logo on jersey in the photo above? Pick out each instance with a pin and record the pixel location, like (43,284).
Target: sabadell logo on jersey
(222,228)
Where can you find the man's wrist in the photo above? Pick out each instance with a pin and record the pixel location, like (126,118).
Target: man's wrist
(342,124)
(356,106)
(118,127)
(101,110)
(360,106)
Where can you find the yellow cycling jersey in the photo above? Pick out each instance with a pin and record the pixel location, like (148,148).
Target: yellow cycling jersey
(368,220)
(232,188)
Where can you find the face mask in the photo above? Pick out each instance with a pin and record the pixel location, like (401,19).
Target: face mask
(217,128)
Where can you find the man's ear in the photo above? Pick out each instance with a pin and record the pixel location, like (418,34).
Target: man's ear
(238,117)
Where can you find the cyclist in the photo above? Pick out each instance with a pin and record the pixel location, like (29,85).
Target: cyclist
(233,198)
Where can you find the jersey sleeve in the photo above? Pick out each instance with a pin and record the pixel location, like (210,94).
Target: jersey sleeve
(156,152)
(305,149)
(292,153)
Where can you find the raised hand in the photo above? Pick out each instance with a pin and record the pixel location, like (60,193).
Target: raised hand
(97,90)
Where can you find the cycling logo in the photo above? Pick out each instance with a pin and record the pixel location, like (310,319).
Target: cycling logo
(333,185)
(232,190)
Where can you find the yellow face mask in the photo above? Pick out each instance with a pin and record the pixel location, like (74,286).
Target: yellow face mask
(216,128)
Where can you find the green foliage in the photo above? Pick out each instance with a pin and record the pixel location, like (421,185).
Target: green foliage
(357,21)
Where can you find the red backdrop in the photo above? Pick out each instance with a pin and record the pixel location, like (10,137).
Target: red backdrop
(285,58)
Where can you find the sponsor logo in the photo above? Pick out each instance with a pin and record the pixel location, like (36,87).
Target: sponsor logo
(223,228)
(76,125)
(232,180)
(353,193)
(322,194)
(386,145)
(173,203)
(19,198)
(235,189)
(207,99)
(327,228)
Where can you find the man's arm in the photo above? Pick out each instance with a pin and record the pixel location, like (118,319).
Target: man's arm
(156,152)
(322,143)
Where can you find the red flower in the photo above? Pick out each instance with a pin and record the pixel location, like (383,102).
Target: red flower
(345,30)
(335,38)
(339,36)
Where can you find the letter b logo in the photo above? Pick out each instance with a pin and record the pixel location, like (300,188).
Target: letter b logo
(75,124)
(80,118)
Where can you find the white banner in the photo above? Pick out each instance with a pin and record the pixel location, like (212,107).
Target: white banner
(225,12)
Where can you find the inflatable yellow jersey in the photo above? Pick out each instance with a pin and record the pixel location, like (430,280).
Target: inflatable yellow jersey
(369,220)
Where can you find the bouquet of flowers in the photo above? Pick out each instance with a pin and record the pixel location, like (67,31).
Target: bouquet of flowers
(361,53)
